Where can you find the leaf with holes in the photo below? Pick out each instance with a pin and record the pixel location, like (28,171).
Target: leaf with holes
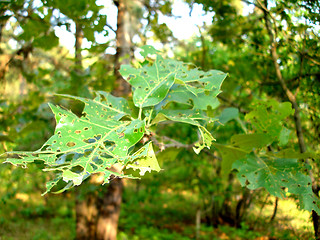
(150,84)
(276,175)
(195,80)
(89,144)
(180,94)
(144,160)
(267,117)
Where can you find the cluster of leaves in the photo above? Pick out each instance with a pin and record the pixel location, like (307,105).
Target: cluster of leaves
(108,133)
(261,160)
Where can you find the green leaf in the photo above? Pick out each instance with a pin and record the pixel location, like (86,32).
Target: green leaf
(241,144)
(284,136)
(171,80)
(147,49)
(250,142)
(267,117)
(108,106)
(150,84)
(229,155)
(276,175)
(228,114)
(180,94)
(89,144)
(291,153)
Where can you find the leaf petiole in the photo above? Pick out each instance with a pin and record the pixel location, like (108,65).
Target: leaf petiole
(149,118)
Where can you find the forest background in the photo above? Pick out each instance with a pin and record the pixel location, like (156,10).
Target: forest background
(270,50)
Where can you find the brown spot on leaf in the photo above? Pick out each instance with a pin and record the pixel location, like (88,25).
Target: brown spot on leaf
(71,144)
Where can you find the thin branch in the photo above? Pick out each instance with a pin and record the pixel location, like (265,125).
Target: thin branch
(111,28)
(172,143)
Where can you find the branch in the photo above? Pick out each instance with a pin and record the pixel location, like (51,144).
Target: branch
(173,143)
(109,26)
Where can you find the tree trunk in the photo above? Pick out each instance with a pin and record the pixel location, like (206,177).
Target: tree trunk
(109,213)
(124,47)
(98,213)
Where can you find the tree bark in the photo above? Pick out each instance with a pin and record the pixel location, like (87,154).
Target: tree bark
(98,214)
(124,47)
(98,211)
(109,213)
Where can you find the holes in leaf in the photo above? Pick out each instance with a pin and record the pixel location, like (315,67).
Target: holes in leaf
(77,169)
(109,145)
(97,161)
(135,130)
(141,130)
(54,141)
(71,144)
(146,89)
(85,128)
(90,140)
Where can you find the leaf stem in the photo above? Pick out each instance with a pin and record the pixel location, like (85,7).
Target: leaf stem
(140,113)
(149,118)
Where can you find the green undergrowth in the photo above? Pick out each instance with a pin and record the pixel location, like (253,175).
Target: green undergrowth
(166,214)
(150,211)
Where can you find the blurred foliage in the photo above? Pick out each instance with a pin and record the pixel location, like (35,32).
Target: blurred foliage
(33,67)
